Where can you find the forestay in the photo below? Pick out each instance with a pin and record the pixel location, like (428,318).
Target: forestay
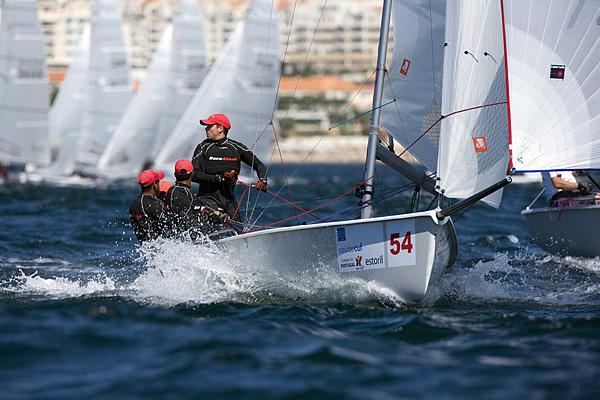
(554,82)
(241,84)
(109,84)
(415,78)
(175,74)
(474,132)
(24,86)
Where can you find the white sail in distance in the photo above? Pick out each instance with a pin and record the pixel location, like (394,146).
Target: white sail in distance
(473,150)
(65,114)
(241,84)
(175,74)
(24,87)
(415,78)
(553,52)
(109,84)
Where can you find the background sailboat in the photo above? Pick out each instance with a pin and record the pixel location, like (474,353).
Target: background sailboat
(24,88)
(109,84)
(90,101)
(554,82)
(242,84)
(176,73)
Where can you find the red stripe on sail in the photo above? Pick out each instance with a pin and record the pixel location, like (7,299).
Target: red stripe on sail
(510,154)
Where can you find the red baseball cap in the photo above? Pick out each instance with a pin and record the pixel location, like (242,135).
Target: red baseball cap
(164,186)
(220,119)
(183,167)
(149,177)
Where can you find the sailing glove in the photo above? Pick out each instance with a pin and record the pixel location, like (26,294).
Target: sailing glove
(261,185)
(584,187)
(230,176)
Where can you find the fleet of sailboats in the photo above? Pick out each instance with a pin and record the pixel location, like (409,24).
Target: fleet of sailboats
(476,91)
(242,84)
(174,77)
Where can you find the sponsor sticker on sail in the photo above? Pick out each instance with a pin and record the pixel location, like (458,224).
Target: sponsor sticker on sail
(557,71)
(405,66)
(480,144)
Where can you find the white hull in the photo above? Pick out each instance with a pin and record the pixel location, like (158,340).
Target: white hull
(366,253)
(566,231)
(61,181)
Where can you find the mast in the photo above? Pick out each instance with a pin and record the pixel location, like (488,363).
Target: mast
(376,113)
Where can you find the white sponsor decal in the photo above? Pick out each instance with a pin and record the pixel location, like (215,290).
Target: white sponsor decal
(360,247)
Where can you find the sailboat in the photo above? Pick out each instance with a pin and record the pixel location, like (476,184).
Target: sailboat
(554,53)
(24,87)
(405,254)
(242,83)
(174,76)
(92,98)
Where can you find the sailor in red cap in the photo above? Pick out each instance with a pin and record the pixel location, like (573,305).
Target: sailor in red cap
(217,162)
(186,212)
(147,209)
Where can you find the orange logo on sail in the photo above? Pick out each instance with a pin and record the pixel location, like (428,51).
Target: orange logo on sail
(480,144)
(404,67)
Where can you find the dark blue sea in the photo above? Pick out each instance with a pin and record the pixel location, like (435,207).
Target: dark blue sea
(87,313)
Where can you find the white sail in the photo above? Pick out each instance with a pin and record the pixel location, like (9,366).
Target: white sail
(415,78)
(553,52)
(109,84)
(24,85)
(241,84)
(65,115)
(474,132)
(177,70)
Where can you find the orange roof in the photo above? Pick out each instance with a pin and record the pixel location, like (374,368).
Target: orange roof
(57,75)
(316,84)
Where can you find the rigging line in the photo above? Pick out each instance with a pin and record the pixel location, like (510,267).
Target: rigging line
(305,63)
(278,147)
(287,43)
(359,91)
(385,206)
(240,201)
(262,73)
(412,160)
(337,124)
(282,199)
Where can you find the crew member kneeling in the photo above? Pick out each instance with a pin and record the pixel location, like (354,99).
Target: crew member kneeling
(147,209)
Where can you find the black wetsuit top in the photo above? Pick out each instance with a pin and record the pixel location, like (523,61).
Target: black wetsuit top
(211,159)
(183,207)
(146,212)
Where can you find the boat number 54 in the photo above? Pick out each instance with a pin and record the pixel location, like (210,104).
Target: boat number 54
(396,246)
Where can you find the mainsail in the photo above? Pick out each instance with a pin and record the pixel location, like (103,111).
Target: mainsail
(177,70)
(242,84)
(109,85)
(474,130)
(553,50)
(415,78)
(24,85)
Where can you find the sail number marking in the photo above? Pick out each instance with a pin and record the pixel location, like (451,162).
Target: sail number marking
(396,246)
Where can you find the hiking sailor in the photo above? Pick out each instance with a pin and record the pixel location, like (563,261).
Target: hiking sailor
(217,162)
(185,211)
(146,210)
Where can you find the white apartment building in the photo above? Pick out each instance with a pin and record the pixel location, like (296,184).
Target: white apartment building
(342,35)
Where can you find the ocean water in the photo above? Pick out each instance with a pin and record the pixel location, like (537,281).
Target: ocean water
(87,313)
